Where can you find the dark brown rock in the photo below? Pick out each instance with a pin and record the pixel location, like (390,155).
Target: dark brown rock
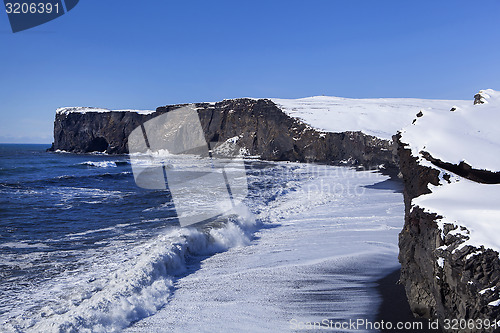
(478,99)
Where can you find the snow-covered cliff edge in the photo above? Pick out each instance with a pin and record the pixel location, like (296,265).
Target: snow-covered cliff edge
(450,244)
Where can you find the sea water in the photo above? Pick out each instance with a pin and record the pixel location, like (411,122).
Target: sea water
(83,248)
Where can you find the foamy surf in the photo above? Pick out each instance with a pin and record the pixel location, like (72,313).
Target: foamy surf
(101,277)
(100,164)
(140,283)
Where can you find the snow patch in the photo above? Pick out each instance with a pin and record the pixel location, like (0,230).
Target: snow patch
(84,109)
(494,303)
(440,262)
(465,133)
(470,255)
(482,292)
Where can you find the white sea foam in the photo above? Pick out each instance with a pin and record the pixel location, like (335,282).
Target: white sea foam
(122,285)
(100,164)
(85,233)
(24,245)
(67,194)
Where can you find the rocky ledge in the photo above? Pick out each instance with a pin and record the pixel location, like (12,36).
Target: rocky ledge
(260,127)
(449,251)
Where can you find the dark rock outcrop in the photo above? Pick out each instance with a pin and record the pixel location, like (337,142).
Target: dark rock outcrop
(465,170)
(443,279)
(95,131)
(263,130)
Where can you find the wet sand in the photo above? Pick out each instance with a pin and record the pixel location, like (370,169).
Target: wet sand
(394,307)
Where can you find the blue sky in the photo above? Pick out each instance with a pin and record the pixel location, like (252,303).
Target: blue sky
(143,54)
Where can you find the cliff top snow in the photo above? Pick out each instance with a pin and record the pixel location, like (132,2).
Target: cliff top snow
(84,109)
(380,117)
(468,133)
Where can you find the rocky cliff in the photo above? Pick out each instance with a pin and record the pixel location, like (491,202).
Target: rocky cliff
(450,268)
(261,127)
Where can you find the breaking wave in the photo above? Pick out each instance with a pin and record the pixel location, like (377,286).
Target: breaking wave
(139,285)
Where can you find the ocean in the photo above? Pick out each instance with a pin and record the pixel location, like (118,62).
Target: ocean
(84,249)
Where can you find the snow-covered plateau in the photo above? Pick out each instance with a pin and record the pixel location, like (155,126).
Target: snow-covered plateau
(380,117)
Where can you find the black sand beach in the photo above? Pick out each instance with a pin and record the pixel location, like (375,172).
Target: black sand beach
(394,307)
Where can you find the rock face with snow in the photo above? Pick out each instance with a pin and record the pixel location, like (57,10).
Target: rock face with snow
(257,127)
(450,243)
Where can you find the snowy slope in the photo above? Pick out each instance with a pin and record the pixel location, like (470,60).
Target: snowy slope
(380,117)
(469,134)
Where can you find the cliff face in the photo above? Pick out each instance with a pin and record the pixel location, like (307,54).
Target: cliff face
(453,290)
(95,131)
(262,128)
(446,274)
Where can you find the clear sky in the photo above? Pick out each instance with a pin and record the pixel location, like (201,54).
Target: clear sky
(143,54)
